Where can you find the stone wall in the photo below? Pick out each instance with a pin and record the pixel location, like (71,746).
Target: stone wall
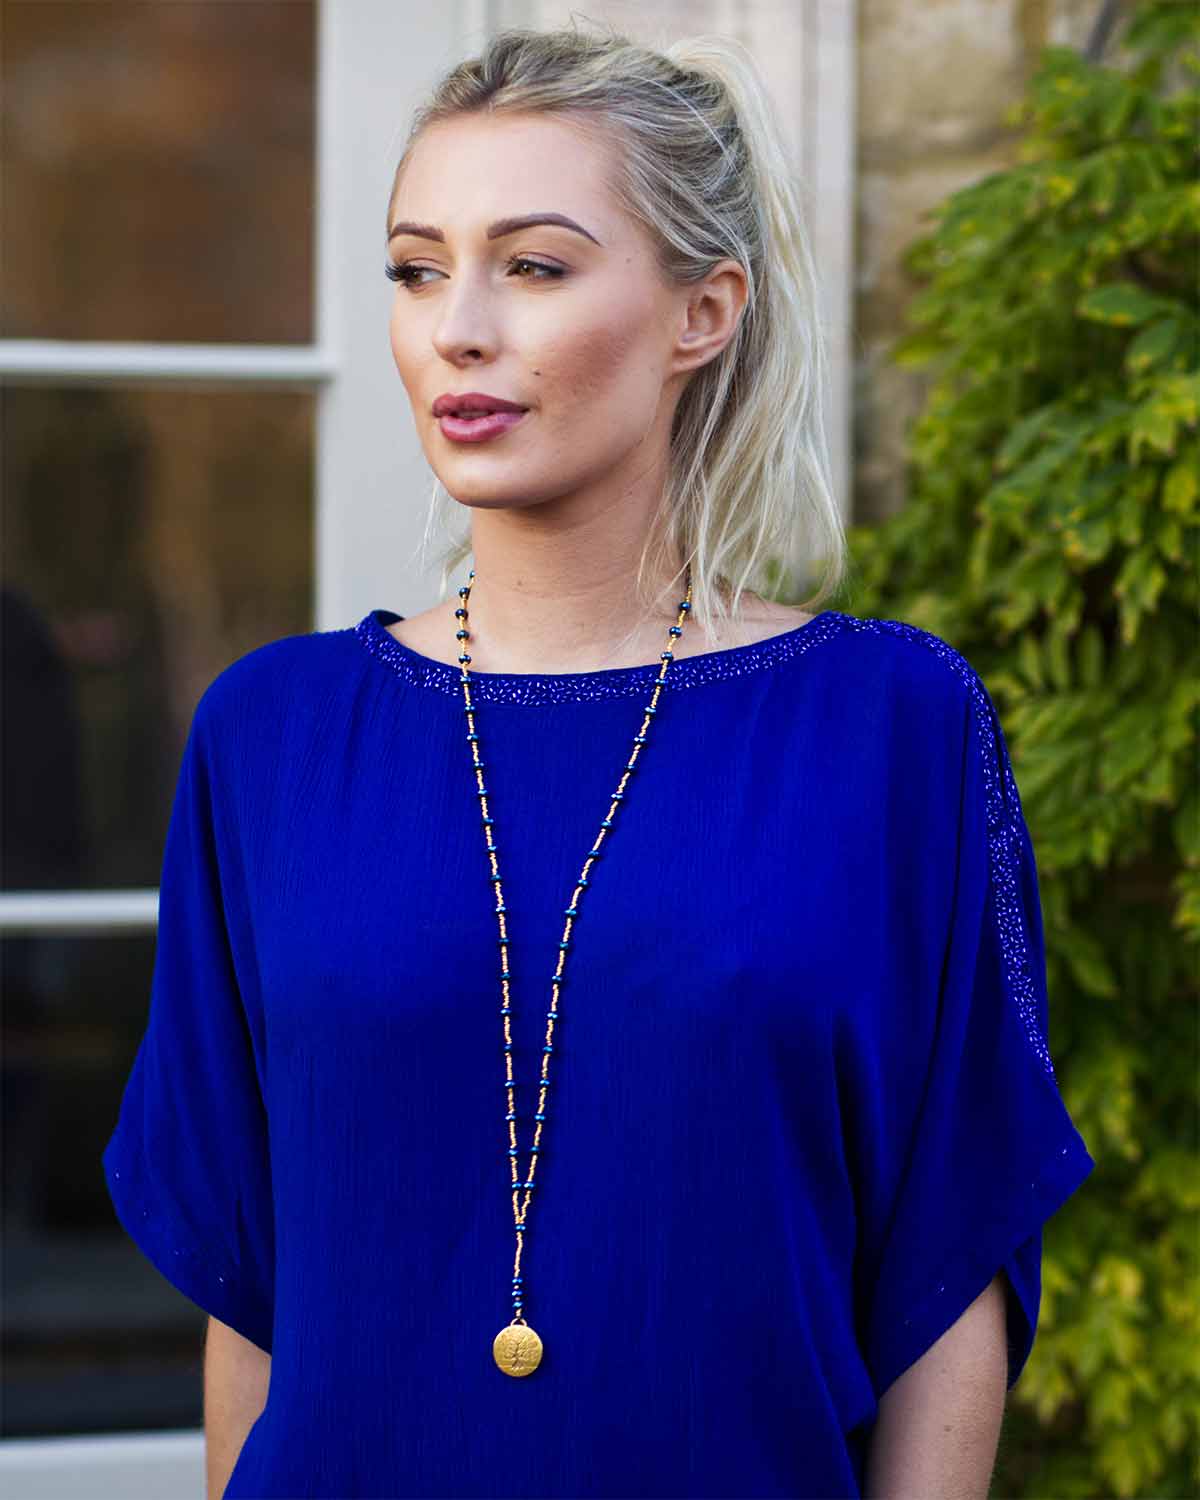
(935,78)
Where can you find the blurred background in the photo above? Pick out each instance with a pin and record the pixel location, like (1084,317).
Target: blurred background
(206,446)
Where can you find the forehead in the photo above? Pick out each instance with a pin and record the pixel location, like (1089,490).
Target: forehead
(464,173)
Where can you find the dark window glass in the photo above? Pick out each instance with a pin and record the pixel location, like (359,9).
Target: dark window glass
(150,536)
(158,170)
(94,1338)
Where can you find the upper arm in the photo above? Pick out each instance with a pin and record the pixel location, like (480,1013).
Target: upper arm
(237,1379)
(938,1426)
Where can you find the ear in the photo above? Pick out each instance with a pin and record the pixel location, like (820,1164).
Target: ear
(711,312)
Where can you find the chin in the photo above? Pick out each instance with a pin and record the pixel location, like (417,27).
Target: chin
(489,497)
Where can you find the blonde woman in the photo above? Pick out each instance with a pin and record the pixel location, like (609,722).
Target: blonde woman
(598,1036)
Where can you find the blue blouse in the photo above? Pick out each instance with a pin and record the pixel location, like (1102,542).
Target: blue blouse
(801,1106)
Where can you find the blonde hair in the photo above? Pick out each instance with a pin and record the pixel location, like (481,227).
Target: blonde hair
(700,165)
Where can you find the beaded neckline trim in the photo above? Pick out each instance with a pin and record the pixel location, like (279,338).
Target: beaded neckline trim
(587,687)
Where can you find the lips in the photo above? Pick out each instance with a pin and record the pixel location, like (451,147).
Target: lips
(480,428)
(472,404)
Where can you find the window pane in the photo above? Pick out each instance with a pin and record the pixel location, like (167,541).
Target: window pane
(150,537)
(76,1361)
(154,156)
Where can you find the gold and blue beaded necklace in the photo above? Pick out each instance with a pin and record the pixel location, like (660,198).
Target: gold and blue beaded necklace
(517,1349)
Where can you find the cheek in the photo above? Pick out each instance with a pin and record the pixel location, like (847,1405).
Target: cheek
(409,359)
(401,353)
(604,365)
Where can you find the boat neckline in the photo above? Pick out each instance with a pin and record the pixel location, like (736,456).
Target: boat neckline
(578,687)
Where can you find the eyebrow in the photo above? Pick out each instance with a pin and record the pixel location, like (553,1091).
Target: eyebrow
(494,231)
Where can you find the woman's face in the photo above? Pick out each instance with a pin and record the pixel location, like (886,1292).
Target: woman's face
(578,327)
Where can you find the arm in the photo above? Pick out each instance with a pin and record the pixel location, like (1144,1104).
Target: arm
(938,1427)
(237,1374)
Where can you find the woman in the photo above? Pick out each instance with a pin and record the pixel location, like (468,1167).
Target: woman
(733,905)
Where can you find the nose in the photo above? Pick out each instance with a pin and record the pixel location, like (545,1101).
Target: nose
(466,325)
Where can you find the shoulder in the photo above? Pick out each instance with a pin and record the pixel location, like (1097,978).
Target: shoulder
(937,703)
(917,670)
(270,684)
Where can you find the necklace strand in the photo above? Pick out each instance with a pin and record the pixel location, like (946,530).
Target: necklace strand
(517,1348)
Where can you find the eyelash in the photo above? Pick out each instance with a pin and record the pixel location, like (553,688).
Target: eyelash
(396,273)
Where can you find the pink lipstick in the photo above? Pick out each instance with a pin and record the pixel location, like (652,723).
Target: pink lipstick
(479,429)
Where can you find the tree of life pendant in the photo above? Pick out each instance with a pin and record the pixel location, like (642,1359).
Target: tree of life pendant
(517,1349)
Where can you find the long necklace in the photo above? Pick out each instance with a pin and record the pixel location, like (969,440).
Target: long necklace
(517,1349)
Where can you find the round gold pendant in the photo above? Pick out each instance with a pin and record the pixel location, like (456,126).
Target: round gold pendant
(517,1349)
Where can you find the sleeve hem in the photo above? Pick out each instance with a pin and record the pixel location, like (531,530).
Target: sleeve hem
(203,1275)
(967,1270)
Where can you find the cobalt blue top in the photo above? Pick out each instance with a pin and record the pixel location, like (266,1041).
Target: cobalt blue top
(801,1108)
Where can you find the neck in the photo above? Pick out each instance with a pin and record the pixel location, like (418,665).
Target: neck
(556,593)
(529,619)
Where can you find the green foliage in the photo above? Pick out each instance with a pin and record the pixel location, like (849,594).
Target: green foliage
(1051,535)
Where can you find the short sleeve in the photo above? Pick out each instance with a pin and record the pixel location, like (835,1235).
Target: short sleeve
(188,1166)
(993,1152)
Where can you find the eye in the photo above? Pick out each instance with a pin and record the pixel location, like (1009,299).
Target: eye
(553,272)
(401,273)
